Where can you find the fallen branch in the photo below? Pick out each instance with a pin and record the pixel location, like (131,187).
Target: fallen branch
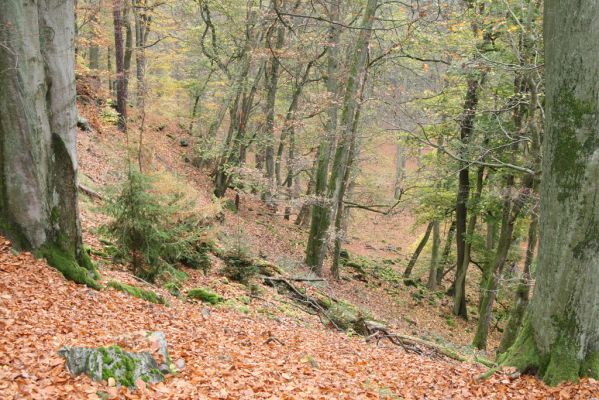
(304,298)
(90,192)
(305,279)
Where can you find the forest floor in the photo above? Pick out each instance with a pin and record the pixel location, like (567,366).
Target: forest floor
(261,347)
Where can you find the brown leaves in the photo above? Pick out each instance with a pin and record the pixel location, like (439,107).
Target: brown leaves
(224,353)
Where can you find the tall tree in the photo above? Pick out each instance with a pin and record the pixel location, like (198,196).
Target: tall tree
(320,225)
(121,71)
(38,175)
(559,338)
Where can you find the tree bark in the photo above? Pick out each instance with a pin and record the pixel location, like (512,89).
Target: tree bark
(318,226)
(121,76)
(560,335)
(408,271)
(335,186)
(38,161)
(466,129)
(432,274)
(459,300)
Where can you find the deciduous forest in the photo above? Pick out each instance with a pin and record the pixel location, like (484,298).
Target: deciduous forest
(299,199)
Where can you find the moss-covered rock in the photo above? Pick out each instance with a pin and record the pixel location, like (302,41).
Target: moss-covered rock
(205,295)
(135,291)
(112,362)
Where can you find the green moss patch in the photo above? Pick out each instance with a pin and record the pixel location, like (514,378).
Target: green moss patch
(69,267)
(135,291)
(205,296)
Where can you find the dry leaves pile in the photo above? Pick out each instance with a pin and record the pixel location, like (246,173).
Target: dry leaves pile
(227,354)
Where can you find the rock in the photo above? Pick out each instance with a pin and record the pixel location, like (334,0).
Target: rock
(119,367)
(112,362)
(183,143)
(180,364)
(83,124)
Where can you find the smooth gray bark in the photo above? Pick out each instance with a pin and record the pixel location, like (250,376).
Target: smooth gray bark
(38,160)
(560,336)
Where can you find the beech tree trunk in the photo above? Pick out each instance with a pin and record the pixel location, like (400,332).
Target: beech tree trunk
(560,335)
(318,226)
(38,161)
(408,271)
(466,128)
(119,55)
(321,223)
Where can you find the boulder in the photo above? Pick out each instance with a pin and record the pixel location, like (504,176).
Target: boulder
(124,367)
(104,363)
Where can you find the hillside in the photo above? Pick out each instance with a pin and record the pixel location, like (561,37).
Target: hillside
(253,345)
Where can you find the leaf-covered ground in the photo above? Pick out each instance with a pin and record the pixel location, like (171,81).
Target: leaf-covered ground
(227,353)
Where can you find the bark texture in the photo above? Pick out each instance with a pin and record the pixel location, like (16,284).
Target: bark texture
(560,336)
(38,176)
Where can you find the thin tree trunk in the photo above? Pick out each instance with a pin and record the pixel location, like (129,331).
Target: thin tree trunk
(340,161)
(459,300)
(522,291)
(272,80)
(408,271)
(511,211)
(432,275)
(400,166)
(318,224)
(446,252)
(121,76)
(466,129)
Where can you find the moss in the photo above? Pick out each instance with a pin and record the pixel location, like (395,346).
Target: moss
(86,262)
(135,291)
(568,162)
(524,354)
(590,366)
(68,266)
(205,296)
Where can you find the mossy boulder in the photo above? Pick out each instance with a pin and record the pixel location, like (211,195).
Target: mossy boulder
(112,362)
(205,295)
(135,291)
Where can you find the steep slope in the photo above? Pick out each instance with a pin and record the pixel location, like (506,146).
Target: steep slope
(228,355)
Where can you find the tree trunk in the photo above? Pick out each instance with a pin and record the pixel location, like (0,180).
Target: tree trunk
(318,224)
(121,76)
(522,291)
(559,338)
(466,128)
(400,166)
(459,300)
(272,80)
(334,193)
(408,271)
(432,274)
(511,211)
(446,252)
(38,161)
